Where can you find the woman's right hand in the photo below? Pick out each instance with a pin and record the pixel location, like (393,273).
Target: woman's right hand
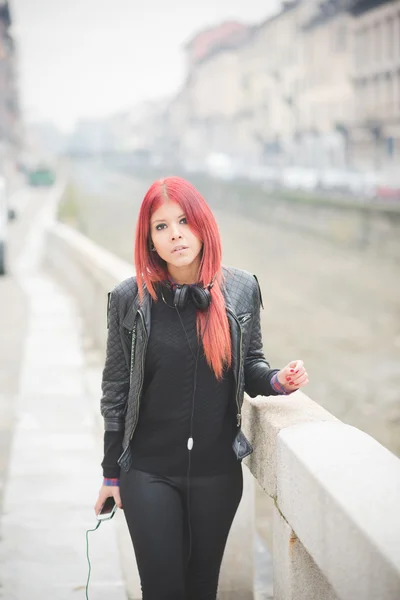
(105,492)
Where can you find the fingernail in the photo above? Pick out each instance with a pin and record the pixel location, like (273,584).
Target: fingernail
(288,378)
(292,383)
(292,370)
(297,371)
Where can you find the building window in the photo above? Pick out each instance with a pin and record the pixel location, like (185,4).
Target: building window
(341,38)
(390,146)
(397,33)
(369,98)
(364,51)
(358,48)
(368,51)
(390,25)
(388,108)
(397,94)
(378,93)
(374,94)
(378,43)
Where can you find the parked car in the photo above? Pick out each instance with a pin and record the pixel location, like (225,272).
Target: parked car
(299,178)
(268,176)
(6,214)
(42,175)
(388,187)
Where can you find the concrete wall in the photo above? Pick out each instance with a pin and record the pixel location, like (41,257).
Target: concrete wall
(336,490)
(368,229)
(372,227)
(336,493)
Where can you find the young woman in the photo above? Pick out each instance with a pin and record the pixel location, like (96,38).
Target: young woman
(184,344)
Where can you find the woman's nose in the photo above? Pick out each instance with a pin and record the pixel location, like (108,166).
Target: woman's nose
(175,233)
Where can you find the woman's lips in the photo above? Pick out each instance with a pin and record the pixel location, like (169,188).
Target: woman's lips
(179,249)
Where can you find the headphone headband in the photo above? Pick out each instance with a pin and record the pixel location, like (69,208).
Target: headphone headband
(200,296)
(175,285)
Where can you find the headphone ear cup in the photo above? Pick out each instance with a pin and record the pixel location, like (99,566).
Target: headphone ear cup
(181,296)
(201,297)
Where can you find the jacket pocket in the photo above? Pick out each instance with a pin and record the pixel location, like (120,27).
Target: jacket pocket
(244,318)
(241,446)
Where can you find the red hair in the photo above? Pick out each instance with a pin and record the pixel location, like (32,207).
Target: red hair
(150,268)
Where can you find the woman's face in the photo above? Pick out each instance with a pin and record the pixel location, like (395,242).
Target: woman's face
(172,237)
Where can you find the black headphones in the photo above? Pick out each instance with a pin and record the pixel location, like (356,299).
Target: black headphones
(201,297)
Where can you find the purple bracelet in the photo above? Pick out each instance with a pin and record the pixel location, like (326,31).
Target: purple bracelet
(111,482)
(277,386)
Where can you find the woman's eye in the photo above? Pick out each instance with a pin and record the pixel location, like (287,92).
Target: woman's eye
(161,226)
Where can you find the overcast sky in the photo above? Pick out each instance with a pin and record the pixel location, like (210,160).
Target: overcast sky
(94,57)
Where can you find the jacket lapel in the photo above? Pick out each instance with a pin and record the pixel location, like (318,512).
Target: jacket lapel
(234,331)
(145,307)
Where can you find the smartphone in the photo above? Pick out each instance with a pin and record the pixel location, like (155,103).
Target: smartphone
(108,509)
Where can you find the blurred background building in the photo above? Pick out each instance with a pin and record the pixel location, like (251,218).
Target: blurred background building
(376,82)
(307,98)
(10,118)
(315,85)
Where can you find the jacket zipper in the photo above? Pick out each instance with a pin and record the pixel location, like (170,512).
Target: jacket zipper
(133,332)
(141,375)
(245,318)
(239,412)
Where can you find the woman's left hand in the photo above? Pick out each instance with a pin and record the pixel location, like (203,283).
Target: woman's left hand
(293,376)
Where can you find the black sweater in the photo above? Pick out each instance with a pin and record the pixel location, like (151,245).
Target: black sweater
(159,444)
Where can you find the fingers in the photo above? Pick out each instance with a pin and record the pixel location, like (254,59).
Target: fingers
(293,370)
(301,381)
(117,497)
(98,505)
(299,375)
(295,375)
(295,365)
(104,493)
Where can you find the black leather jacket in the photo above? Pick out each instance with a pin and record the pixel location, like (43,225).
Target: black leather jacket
(129,324)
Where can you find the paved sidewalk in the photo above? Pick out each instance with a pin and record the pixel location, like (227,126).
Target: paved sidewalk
(54,472)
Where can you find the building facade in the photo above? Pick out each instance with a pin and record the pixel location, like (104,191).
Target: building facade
(279,94)
(267,65)
(375,135)
(325,95)
(200,117)
(275,81)
(316,85)
(10,128)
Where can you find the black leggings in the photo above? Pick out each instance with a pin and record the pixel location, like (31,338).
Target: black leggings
(176,563)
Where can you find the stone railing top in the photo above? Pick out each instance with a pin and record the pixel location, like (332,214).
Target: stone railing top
(264,418)
(336,486)
(101,263)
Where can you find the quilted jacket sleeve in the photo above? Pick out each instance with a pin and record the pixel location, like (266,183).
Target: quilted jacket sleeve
(115,381)
(257,371)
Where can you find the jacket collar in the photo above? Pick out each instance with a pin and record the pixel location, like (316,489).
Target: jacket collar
(130,317)
(145,306)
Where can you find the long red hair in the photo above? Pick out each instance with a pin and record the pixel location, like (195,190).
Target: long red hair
(151,269)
